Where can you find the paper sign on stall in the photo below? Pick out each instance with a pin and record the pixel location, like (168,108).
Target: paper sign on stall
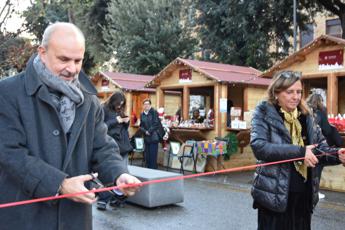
(223,102)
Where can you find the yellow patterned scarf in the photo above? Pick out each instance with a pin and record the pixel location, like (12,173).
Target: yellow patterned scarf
(294,127)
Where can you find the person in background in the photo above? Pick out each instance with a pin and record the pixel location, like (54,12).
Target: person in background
(134,118)
(196,118)
(53,139)
(285,194)
(230,104)
(333,138)
(118,123)
(210,117)
(178,114)
(149,125)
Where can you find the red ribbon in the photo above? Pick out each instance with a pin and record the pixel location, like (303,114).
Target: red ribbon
(12,204)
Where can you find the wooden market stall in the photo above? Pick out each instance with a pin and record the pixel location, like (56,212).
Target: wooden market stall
(207,85)
(322,66)
(321,63)
(133,86)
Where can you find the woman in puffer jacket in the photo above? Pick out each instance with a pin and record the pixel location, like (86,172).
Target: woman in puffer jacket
(283,128)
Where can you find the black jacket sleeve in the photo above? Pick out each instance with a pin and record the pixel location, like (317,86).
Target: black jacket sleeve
(263,146)
(155,122)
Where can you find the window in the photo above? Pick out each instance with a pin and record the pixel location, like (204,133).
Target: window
(333,27)
(307,35)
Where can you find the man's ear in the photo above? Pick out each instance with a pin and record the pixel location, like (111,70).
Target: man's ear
(42,53)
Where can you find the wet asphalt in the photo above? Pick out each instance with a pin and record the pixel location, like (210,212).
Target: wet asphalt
(212,202)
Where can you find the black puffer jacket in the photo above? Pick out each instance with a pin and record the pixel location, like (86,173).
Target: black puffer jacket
(329,132)
(271,141)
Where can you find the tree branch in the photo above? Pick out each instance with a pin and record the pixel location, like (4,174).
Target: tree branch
(6,7)
(3,8)
(330,5)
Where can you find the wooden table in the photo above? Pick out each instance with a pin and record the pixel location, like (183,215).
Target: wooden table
(183,134)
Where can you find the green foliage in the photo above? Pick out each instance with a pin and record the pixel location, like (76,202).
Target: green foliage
(91,19)
(241,32)
(10,62)
(81,12)
(232,145)
(146,35)
(39,15)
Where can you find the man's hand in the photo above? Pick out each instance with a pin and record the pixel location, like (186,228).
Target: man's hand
(310,159)
(127,179)
(75,185)
(341,154)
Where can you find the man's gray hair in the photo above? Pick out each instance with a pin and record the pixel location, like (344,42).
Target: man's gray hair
(52,27)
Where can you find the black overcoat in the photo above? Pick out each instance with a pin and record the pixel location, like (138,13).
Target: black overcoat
(35,156)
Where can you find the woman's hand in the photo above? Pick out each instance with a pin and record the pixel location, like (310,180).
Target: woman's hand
(310,159)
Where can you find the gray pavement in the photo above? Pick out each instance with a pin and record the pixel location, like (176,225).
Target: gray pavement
(212,202)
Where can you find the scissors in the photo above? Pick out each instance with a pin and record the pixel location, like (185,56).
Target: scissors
(96,183)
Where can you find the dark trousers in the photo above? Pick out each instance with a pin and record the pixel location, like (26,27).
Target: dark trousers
(296,217)
(319,169)
(106,196)
(151,150)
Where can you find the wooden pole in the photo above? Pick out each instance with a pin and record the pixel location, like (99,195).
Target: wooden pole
(223,116)
(332,94)
(217,115)
(185,103)
(245,100)
(160,97)
(129,103)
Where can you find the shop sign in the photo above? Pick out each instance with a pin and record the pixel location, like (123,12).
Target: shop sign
(329,60)
(185,75)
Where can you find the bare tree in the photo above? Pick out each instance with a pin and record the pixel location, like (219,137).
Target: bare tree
(5,13)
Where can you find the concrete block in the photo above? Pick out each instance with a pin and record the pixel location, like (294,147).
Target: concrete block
(158,194)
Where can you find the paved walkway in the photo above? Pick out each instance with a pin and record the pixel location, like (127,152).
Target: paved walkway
(213,202)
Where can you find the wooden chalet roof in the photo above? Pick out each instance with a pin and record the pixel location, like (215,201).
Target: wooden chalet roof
(127,81)
(300,55)
(216,71)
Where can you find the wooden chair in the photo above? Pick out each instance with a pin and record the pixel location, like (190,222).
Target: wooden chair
(188,152)
(174,149)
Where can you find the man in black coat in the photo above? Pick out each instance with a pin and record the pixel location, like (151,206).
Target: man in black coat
(52,136)
(150,127)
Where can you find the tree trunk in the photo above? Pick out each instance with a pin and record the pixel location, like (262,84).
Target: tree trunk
(71,17)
